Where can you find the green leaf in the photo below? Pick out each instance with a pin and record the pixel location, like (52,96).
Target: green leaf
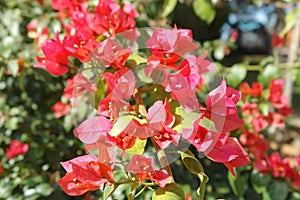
(168,7)
(297,80)
(169,192)
(278,190)
(44,189)
(121,123)
(270,72)
(186,119)
(138,59)
(290,20)
(264,107)
(237,75)
(191,163)
(260,184)
(138,147)
(260,179)
(142,76)
(219,53)
(108,190)
(239,184)
(13,67)
(100,93)
(295,196)
(204,10)
(208,124)
(195,167)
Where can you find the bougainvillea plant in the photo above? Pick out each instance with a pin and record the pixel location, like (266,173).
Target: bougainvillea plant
(143,86)
(264,109)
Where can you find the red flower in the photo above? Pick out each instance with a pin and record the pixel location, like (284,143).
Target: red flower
(16,148)
(256,143)
(144,168)
(181,90)
(78,85)
(276,96)
(221,108)
(1,170)
(192,67)
(255,91)
(113,54)
(123,140)
(259,123)
(168,46)
(277,41)
(84,173)
(229,152)
(56,57)
(60,109)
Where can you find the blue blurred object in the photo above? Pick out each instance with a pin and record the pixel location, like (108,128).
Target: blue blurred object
(247,17)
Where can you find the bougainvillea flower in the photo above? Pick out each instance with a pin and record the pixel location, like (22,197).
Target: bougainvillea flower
(275,119)
(123,141)
(202,138)
(80,48)
(250,110)
(65,4)
(110,18)
(261,165)
(277,165)
(107,151)
(255,142)
(84,173)
(56,57)
(161,120)
(230,153)
(16,148)
(166,136)
(277,42)
(113,54)
(122,92)
(180,90)
(168,46)
(192,67)
(257,89)
(259,123)
(60,109)
(1,170)
(144,168)
(91,129)
(276,96)
(78,85)
(245,89)
(286,111)
(221,108)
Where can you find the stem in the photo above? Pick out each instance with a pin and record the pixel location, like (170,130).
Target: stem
(292,56)
(163,160)
(140,192)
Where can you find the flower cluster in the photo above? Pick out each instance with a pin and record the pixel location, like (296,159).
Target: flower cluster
(270,111)
(16,148)
(146,97)
(83,35)
(273,109)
